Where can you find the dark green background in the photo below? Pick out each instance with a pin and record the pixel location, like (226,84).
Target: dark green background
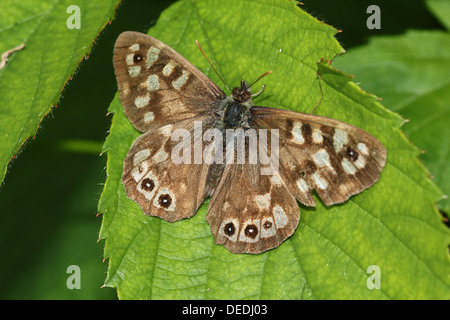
(48,201)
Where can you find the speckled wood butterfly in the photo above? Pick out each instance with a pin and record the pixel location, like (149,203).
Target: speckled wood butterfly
(165,97)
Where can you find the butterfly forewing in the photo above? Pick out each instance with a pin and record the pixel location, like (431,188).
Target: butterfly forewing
(160,92)
(157,85)
(334,158)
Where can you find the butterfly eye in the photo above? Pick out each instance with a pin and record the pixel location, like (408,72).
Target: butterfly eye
(235,92)
(245,95)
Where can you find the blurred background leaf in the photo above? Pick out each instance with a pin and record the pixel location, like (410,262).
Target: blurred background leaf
(440,8)
(34,77)
(48,201)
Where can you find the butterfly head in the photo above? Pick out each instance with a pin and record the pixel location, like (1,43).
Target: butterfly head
(242,94)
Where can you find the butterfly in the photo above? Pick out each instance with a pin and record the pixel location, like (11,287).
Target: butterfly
(166,97)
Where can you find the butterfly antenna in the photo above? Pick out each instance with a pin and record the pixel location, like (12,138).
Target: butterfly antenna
(204,54)
(261,76)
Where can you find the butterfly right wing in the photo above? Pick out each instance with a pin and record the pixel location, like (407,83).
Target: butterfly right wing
(158,86)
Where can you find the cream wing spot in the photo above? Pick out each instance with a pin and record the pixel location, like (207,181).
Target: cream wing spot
(360,162)
(340,139)
(348,166)
(166,131)
(363,148)
(125,90)
(139,171)
(168,68)
(317,136)
(297,135)
(280,216)
(134,47)
(263,201)
(160,156)
(141,156)
(322,158)
(181,80)
(130,59)
(302,185)
(320,182)
(134,71)
(149,117)
(275,179)
(142,101)
(152,56)
(152,83)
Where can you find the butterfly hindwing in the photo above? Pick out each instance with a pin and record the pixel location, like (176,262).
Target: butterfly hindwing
(157,85)
(161,185)
(334,158)
(251,213)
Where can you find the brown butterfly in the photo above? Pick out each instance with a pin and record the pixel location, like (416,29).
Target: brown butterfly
(165,96)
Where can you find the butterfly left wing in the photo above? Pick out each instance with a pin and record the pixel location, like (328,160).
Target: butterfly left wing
(160,184)
(158,86)
(334,158)
(249,212)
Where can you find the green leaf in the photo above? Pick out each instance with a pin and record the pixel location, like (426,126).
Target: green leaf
(410,73)
(392,225)
(33,79)
(441,9)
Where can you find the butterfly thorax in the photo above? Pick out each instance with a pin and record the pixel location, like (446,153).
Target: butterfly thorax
(237,108)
